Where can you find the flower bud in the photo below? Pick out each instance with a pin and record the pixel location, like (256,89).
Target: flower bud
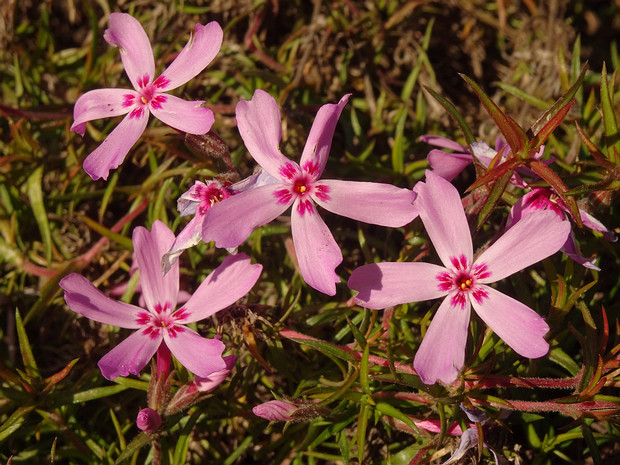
(148,420)
(275,410)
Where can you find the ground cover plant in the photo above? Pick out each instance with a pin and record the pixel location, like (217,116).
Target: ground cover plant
(352,232)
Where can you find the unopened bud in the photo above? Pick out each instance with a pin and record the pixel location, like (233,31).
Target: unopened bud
(148,420)
(275,410)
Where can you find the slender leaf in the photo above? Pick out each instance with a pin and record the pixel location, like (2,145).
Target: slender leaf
(559,103)
(451,109)
(512,132)
(35,195)
(558,186)
(609,117)
(30,364)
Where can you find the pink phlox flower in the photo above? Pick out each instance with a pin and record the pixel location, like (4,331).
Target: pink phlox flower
(198,201)
(463,281)
(449,164)
(149,94)
(230,222)
(543,198)
(160,322)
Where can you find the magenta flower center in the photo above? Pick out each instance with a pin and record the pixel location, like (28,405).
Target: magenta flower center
(460,281)
(162,319)
(150,94)
(210,195)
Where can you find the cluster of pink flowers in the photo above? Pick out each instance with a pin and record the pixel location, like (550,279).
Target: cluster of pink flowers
(227,215)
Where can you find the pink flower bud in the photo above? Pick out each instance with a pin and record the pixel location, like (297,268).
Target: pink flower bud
(148,420)
(275,410)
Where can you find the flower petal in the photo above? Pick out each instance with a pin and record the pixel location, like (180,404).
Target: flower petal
(84,298)
(130,356)
(184,115)
(439,141)
(442,352)
(232,220)
(127,34)
(317,252)
(594,224)
(202,47)
(113,150)
(259,124)
(381,285)
(149,247)
(517,324)
(199,355)
(213,380)
(572,251)
(533,238)
(230,281)
(100,103)
(188,237)
(370,202)
(441,211)
(448,165)
(316,151)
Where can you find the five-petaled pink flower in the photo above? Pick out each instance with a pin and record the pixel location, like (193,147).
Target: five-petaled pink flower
(231,221)
(160,323)
(463,281)
(149,96)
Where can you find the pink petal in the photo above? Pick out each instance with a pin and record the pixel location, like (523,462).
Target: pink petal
(318,144)
(202,47)
(230,281)
(113,150)
(535,237)
(127,34)
(434,426)
(100,103)
(594,224)
(130,356)
(442,352)
(448,165)
(382,285)
(232,220)
(441,211)
(188,237)
(370,202)
(213,380)
(571,249)
(149,247)
(439,141)
(187,116)
(259,124)
(517,324)
(199,355)
(317,252)
(84,298)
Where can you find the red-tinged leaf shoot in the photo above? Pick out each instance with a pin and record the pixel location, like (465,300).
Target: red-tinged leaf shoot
(513,133)
(559,103)
(552,178)
(540,138)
